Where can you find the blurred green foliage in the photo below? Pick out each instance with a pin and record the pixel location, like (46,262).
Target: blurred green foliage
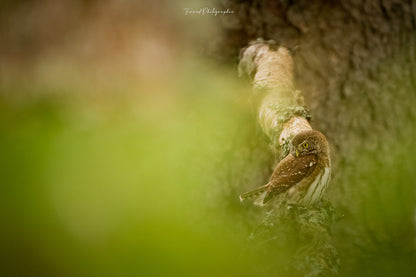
(144,181)
(120,184)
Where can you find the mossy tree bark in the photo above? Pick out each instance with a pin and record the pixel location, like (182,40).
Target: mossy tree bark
(282,115)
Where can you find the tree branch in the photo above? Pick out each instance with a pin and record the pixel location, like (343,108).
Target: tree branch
(282,114)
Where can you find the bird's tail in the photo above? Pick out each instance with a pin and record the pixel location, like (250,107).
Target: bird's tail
(254,193)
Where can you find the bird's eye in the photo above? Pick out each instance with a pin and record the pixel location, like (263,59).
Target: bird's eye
(305,145)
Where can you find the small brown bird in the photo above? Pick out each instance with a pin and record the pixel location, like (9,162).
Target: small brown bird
(303,175)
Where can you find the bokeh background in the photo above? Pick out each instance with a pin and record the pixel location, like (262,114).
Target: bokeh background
(113,133)
(126,138)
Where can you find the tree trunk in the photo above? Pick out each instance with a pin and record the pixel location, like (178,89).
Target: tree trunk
(354,62)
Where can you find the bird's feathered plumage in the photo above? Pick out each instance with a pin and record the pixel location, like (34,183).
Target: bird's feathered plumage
(304,172)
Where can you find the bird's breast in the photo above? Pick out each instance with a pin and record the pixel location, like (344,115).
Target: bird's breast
(317,187)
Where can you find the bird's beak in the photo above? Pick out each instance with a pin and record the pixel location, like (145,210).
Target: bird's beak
(297,153)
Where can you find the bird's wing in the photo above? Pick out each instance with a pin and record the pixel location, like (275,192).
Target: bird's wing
(292,170)
(289,172)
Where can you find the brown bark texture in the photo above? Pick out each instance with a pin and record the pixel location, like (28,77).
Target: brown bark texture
(354,62)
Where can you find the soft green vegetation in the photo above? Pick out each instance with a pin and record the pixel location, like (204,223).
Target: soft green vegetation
(144,181)
(120,184)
